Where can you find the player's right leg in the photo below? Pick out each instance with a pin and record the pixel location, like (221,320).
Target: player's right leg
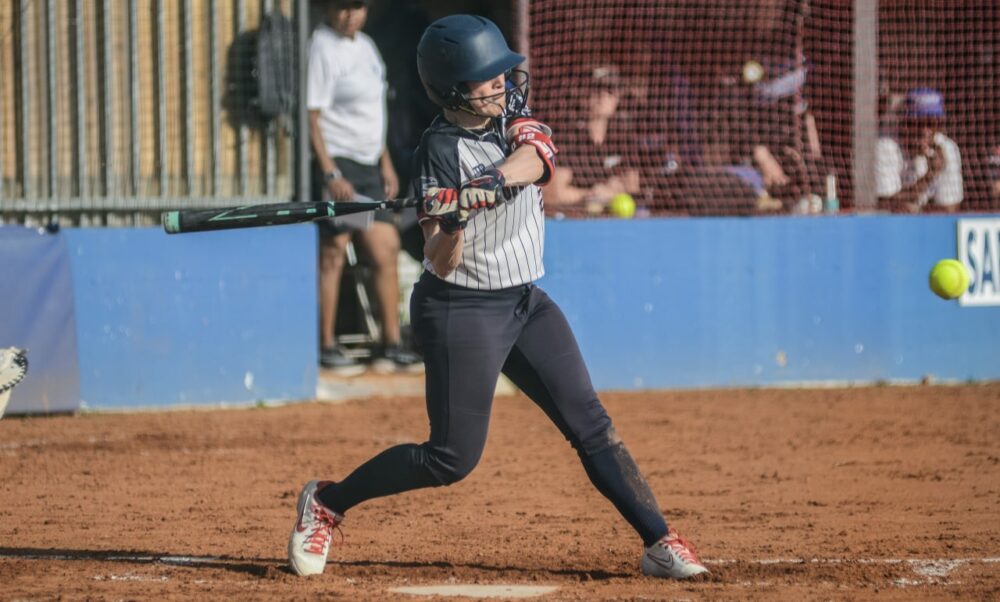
(547,365)
(464,337)
(672,557)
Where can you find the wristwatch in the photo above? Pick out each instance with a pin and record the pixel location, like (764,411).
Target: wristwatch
(333,174)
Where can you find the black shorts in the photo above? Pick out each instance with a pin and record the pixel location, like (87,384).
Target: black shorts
(367,181)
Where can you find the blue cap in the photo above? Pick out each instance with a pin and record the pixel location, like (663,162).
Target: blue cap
(924,102)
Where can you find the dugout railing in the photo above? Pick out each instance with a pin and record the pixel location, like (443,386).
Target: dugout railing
(111,112)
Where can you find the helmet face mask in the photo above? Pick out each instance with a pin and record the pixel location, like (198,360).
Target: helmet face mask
(459,49)
(514,94)
(518,86)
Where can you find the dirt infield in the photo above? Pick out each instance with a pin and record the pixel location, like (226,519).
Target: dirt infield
(857,493)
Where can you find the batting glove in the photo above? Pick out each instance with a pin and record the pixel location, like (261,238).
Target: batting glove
(442,205)
(482,192)
(526,130)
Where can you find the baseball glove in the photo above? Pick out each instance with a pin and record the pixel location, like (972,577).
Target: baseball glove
(13,367)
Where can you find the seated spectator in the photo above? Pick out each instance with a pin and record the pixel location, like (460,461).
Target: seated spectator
(762,151)
(761,130)
(596,154)
(785,146)
(919,163)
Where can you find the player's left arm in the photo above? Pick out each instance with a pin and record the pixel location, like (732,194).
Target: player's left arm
(529,163)
(525,133)
(532,161)
(523,167)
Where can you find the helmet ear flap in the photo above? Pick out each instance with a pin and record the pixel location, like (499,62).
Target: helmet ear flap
(452,99)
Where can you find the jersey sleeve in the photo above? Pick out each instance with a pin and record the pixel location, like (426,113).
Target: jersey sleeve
(435,165)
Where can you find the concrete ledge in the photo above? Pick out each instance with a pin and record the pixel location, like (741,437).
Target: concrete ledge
(332,388)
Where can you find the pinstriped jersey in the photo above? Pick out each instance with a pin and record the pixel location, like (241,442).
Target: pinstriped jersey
(503,244)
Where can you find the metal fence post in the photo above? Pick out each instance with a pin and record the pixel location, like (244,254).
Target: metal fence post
(133,89)
(25,73)
(213,36)
(80,66)
(303,184)
(522,39)
(161,103)
(188,102)
(50,87)
(270,130)
(108,114)
(865,101)
(241,130)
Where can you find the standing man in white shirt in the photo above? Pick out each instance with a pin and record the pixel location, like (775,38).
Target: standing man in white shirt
(346,98)
(921,164)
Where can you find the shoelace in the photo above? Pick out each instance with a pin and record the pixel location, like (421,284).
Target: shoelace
(319,539)
(682,547)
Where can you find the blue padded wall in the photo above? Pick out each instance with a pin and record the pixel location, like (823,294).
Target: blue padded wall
(764,301)
(195,318)
(37,314)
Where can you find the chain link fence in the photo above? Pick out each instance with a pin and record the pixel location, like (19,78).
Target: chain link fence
(112,110)
(715,107)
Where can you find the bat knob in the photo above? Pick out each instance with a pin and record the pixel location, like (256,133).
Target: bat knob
(171,221)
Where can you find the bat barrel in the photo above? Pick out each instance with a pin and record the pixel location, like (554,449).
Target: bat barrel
(243,217)
(250,216)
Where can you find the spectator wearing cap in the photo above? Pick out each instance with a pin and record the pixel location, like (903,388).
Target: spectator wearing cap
(919,166)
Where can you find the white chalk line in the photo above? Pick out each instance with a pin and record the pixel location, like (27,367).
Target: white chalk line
(178,560)
(129,577)
(987,560)
(930,571)
(930,563)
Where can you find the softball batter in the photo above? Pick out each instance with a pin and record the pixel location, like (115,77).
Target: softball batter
(476,312)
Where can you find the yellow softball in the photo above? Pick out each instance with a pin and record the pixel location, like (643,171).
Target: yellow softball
(949,279)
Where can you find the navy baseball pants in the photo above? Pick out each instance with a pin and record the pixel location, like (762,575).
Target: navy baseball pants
(467,338)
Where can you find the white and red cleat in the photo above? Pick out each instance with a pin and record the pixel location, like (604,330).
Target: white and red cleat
(672,558)
(310,540)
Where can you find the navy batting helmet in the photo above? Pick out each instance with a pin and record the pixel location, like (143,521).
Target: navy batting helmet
(458,49)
